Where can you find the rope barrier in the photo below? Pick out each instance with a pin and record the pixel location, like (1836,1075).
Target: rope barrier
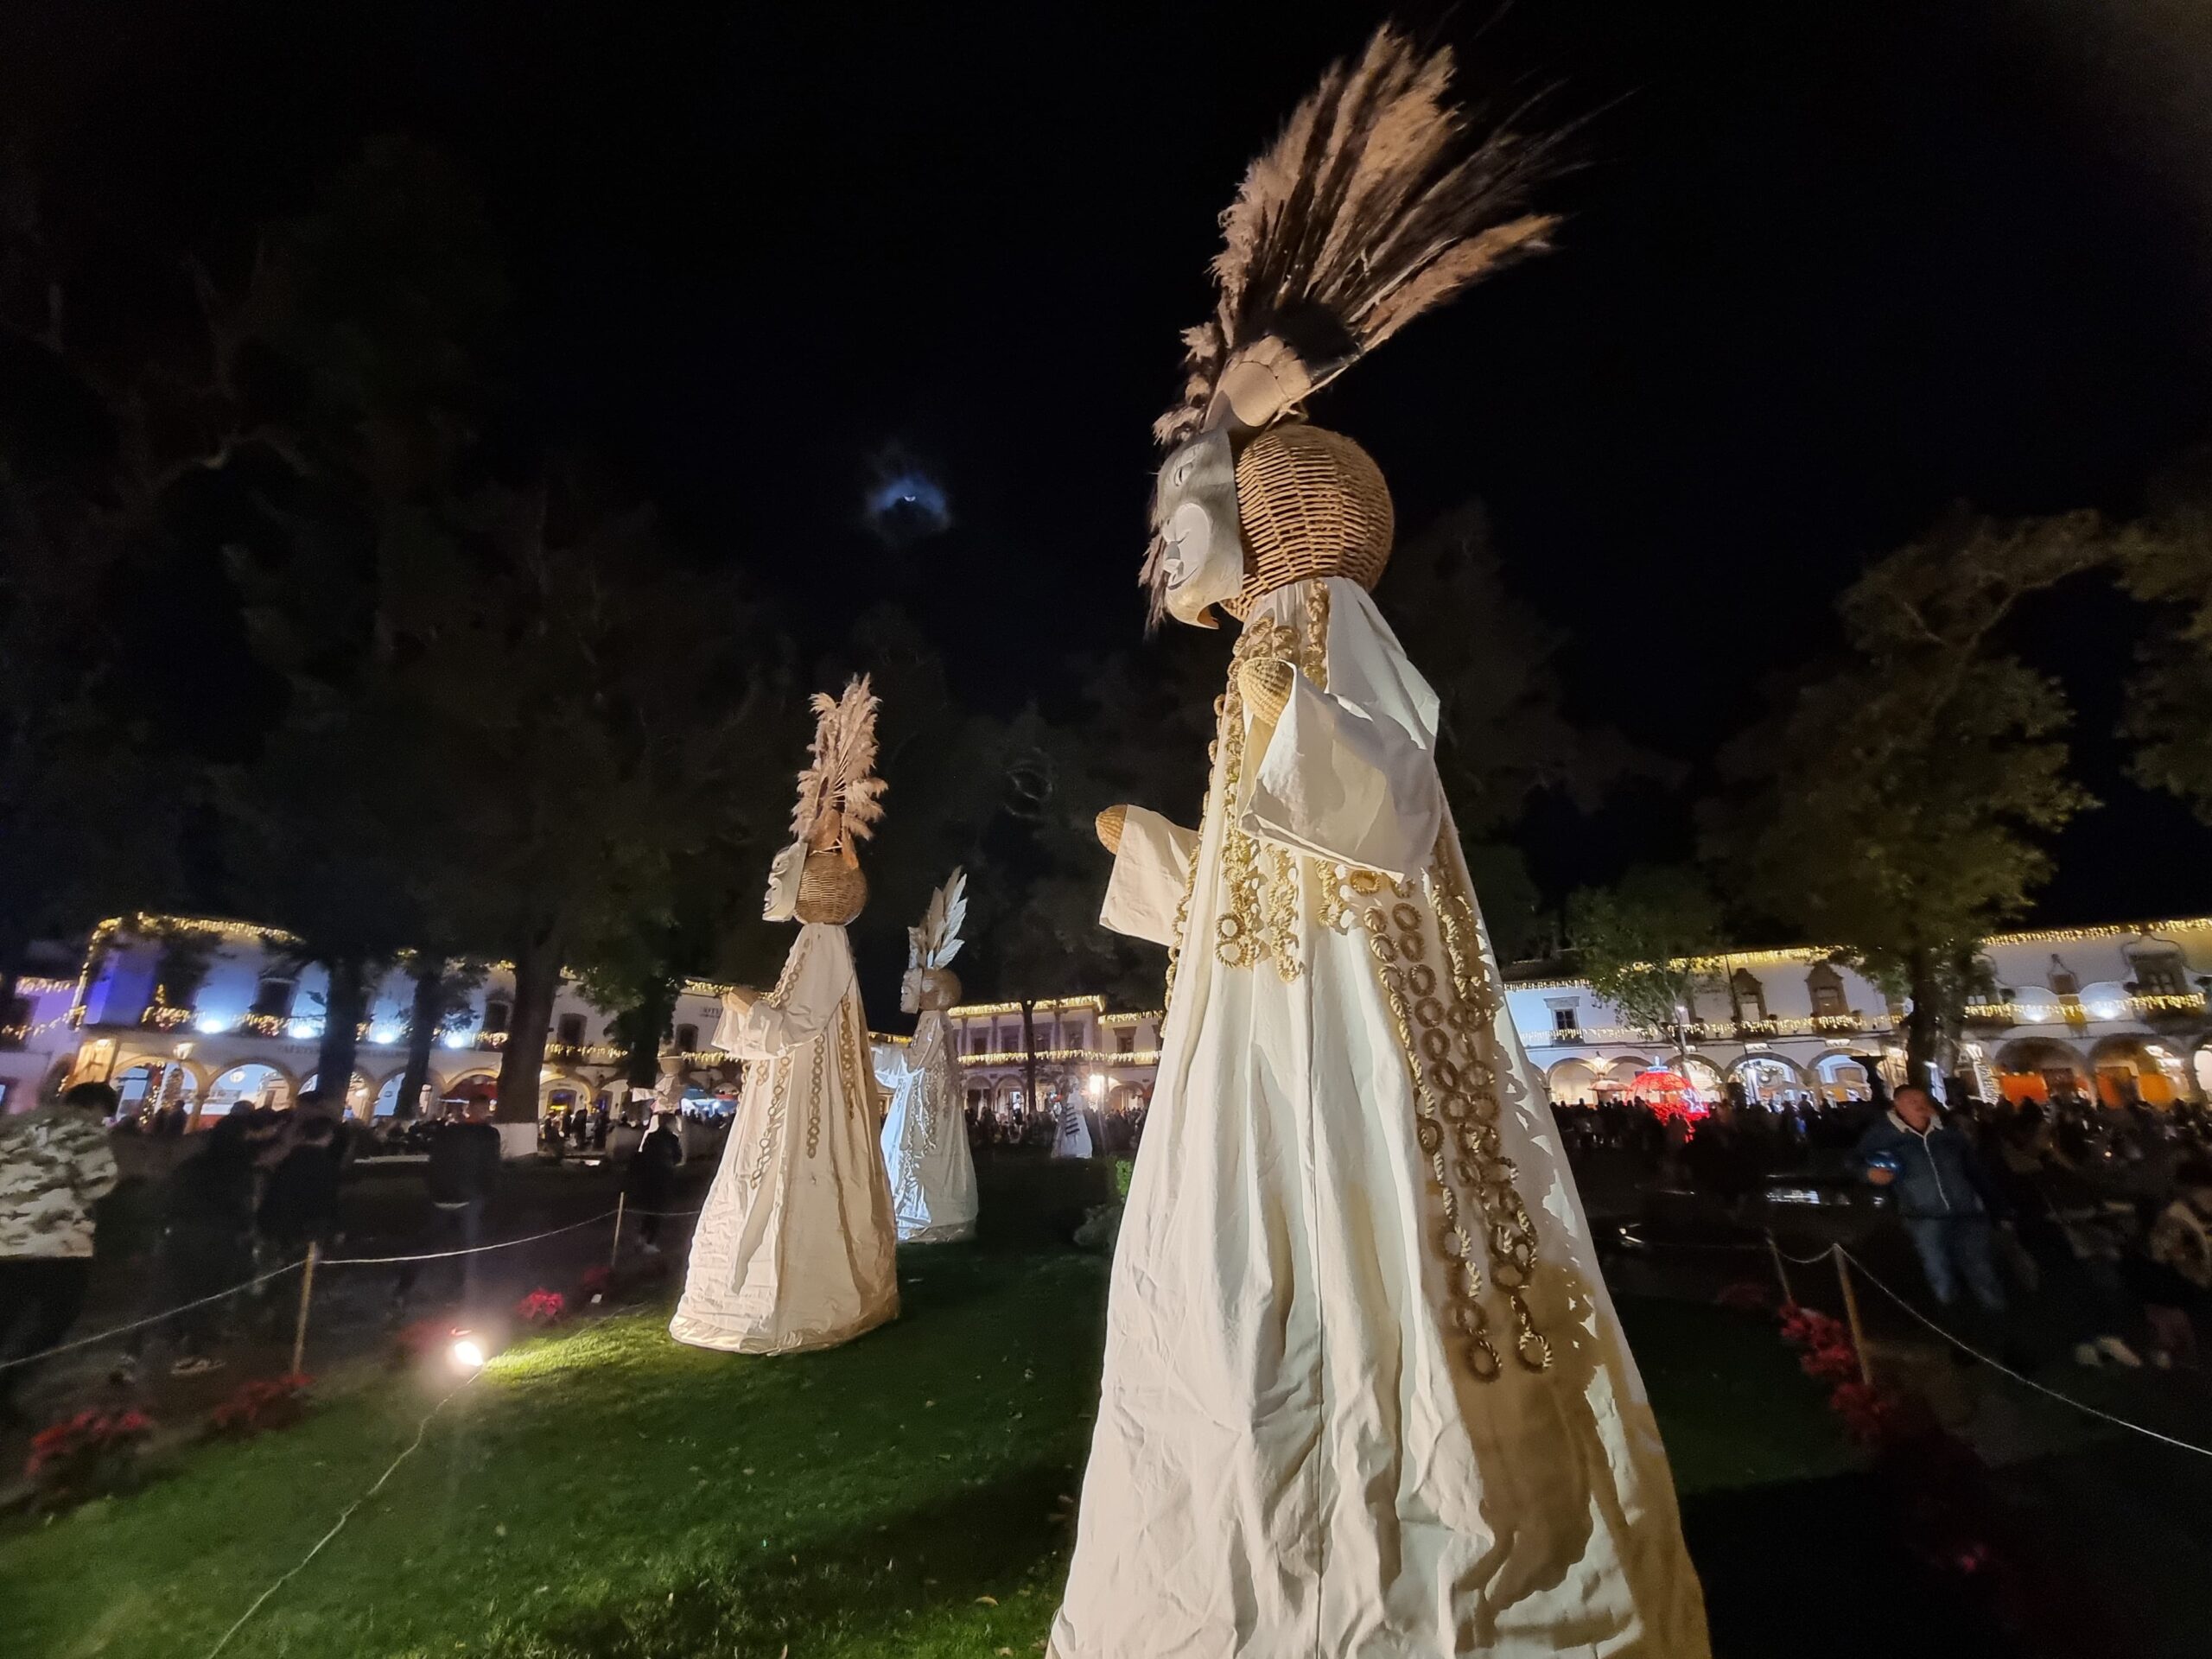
(151,1319)
(2007,1370)
(421,1430)
(324,1261)
(471,1249)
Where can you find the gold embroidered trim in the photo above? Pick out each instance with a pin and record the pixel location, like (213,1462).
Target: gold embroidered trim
(780,1082)
(1456,1107)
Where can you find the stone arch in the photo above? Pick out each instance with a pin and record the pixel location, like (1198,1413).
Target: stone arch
(1706,1075)
(2037,1068)
(1769,1080)
(1844,1074)
(2129,1067)
(218,1085)
(157,1076)
(1572,1082)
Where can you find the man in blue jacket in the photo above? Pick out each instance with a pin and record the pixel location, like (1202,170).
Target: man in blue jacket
(1943,1192)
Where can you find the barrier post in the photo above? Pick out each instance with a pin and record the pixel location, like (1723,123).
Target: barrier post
(1781,1270)
(1850,1313)
(299,1330)
(615,1249)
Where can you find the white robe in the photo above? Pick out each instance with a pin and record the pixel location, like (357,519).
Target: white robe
(1071,1131)
(1292,1458)
(795,1248)
(925,1137)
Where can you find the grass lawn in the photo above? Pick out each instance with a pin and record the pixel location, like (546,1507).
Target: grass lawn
(608,1492)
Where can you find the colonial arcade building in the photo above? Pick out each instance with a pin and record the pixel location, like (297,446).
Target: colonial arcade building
(205,1014)
(2110,1014)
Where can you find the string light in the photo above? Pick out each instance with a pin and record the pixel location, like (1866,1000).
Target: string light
(1042,1005)
(1063,1057)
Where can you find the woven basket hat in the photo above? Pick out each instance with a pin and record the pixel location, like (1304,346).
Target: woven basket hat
(830,889)
(940,988)
(1310,503)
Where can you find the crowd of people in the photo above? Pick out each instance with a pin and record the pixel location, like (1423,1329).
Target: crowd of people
(1113,1132)
(249,1195)
(2101,1213)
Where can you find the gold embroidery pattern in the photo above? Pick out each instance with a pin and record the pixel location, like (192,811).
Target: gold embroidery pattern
(1456,1105)
(853,1060)
(814,1089)
(771,1132)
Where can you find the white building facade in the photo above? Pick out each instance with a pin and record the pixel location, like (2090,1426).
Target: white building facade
(2115,1013)
(243,1024)
(2110,1014)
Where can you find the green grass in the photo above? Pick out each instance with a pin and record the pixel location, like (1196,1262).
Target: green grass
(606,1492)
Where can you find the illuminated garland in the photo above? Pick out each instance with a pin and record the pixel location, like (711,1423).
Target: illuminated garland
(1043,1004)
(1061,1057)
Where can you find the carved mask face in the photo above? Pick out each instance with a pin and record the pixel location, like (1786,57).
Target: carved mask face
(910,992)
(782,901)
(1195,510)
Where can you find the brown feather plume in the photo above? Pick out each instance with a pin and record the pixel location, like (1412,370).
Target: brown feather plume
(1375,204)
(840,797)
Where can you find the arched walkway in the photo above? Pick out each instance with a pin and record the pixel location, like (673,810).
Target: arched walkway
(1573,1082)
(252,1084)
(2041,1068)
(2132,1068)
(1842,1076)
(359,1092)
(1769,1081)
(145,1082)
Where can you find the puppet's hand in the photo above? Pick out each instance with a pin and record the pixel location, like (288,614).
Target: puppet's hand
(1264,683)
(1109,824)
(739,1000)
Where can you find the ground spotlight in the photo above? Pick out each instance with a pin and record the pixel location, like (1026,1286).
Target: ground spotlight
(466,1353)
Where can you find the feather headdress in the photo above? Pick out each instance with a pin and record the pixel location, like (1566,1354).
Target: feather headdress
(1377,204)
(937,941)
(840,797)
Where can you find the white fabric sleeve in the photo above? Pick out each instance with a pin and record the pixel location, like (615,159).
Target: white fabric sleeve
(1344,784)
(776,1025)
(1149,873)
(890,1067)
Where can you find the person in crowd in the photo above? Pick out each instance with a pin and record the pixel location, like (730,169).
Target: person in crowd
(1943,1194)
(55,1163)
(207,1237)
(2172,1272)
(299,1206)
(462,1178)
(602,1120)
(650,1181)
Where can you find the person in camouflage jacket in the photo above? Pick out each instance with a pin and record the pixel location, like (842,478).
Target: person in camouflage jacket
(54,1163)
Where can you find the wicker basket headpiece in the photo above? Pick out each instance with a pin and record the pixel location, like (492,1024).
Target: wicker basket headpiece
(1310,503)
(831,889)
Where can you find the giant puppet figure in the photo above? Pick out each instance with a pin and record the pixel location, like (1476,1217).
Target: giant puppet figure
(795,1247)
(1364,1391)
(925,1132)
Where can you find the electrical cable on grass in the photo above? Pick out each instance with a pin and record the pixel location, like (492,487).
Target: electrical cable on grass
(422,1429)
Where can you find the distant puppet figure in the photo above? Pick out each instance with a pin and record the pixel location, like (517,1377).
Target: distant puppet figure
(1071,1129)
(924,1134)
(796,1248)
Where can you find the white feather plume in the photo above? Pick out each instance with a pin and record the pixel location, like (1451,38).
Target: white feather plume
(840,797)
(937,941)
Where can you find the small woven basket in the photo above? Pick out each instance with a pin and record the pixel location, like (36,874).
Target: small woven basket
(829,890)
(1312,503)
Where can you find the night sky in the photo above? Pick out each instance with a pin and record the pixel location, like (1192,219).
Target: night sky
(1822,276)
